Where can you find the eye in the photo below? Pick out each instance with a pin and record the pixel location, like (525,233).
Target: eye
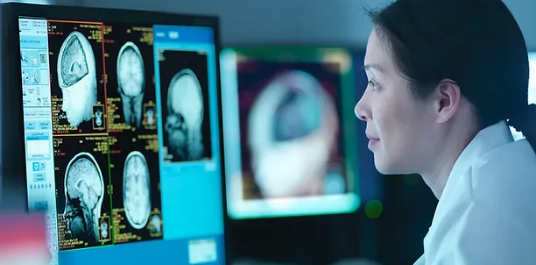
(372,84)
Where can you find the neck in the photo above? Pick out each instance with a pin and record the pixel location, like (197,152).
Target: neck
(454,141)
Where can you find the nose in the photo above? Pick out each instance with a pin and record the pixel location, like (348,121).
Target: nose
(362,111)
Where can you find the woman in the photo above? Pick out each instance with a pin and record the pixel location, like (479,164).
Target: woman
(446,78)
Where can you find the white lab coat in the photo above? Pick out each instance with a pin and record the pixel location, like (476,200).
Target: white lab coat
(487,212)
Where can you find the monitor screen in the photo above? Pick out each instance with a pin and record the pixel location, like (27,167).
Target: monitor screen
(289,131)
(121,130)
(532,91)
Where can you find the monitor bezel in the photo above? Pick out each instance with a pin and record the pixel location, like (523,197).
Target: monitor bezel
(13,158)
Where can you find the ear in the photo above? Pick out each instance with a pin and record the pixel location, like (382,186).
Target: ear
(446,100)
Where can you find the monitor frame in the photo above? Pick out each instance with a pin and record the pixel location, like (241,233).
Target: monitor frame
(12,156)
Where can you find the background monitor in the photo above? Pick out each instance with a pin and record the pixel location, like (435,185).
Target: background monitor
(289,131)
(121,132)
(532,91)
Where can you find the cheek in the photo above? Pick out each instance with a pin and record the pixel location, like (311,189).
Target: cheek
(399,123)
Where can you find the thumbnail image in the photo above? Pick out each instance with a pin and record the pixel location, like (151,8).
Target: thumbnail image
(83,201)
(291,129)
(185,106)
(130,70)
(77,71)
(136,200)
(29,58)
(98,118)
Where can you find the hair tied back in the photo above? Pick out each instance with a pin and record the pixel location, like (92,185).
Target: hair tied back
(525,120)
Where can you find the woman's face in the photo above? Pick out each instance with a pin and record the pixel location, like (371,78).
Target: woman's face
(397,122)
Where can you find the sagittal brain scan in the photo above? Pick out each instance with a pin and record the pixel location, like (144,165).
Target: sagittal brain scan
(291,124)
(184,94)
(137,190)
(131,81)
(185,116)
(77,78)
(83,201)
(84,192)
(77,72)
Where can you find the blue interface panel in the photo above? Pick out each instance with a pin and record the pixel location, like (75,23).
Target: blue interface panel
(122,141)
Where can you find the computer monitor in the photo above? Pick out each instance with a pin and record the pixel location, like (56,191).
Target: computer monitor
(120,131)
(532,91)
(289,131)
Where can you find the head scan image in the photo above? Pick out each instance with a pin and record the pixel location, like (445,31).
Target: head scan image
(84,192)
(98,118)
(136,190)
(185,116)
(131,82)
(150,117)
(104,229)
(77,78)
(293,127)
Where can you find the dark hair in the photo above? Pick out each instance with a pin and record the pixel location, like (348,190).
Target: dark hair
(476,43)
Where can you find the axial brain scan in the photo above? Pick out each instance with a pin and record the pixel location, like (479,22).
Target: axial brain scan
(136,190)
(84,190)
(185,116)
(77,78)
(131,82)
(292,124)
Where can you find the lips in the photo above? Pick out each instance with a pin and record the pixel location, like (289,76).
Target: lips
(372,141)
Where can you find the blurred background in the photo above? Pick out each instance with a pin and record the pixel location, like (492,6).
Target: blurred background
(358,215)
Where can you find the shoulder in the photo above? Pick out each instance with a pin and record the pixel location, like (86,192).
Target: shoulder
(512,164)
(481,233)
(505,179)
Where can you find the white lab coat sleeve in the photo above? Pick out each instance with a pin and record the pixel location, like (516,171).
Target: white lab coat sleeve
(489,235)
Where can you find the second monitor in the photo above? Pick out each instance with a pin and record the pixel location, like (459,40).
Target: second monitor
(288,130)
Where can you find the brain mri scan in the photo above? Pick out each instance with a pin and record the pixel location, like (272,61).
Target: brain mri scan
(104,229)
(185,116)
(98,118)
(77,78)
(131,82)
(150,117)
(293,124)
(136,190)
(84,191)
(156,224)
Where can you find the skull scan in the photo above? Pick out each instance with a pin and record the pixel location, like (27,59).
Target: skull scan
(150,117)
(84,192)
(104,229)
(136,190)
(131,82)
(293,126)
(77,78)
(98,118)
(185,116)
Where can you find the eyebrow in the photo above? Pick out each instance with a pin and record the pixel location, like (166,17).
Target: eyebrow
(374,66)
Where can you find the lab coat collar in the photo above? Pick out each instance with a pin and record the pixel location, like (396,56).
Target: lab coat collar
(487,140)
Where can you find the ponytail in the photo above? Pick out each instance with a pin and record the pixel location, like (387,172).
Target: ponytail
(525,122)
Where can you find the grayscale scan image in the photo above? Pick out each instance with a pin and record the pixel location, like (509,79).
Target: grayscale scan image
(185,110)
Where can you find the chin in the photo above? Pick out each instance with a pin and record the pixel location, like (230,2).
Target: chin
(386,171)
(385,167)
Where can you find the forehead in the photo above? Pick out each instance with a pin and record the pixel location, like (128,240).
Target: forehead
(377,54)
